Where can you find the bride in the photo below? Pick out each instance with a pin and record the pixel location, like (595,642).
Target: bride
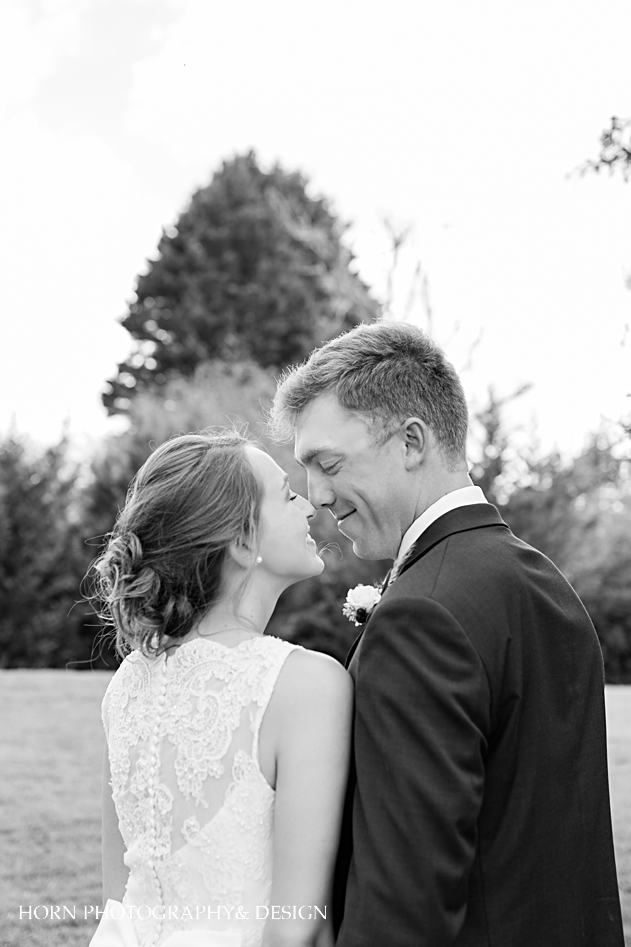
(227,750)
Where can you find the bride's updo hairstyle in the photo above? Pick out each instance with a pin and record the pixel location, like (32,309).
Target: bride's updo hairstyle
(163,564)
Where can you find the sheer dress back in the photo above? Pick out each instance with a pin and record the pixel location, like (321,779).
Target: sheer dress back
(194,808)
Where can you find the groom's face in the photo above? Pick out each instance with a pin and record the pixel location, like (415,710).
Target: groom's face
(363,483)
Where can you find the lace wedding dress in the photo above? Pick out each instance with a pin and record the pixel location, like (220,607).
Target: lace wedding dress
(194,808)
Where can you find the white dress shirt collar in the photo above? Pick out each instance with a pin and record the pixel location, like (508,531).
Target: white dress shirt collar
(465,496)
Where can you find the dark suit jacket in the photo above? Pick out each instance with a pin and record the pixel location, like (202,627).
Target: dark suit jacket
(479,791)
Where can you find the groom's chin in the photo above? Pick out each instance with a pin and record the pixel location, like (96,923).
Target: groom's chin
(364,552)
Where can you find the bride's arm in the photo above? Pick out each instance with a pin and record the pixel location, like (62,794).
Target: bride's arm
(115,872)
(309,721)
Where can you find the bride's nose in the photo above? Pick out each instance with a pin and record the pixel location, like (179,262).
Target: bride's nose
(307,508)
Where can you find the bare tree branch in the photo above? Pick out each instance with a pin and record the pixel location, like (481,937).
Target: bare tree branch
(399,235)
(615,149)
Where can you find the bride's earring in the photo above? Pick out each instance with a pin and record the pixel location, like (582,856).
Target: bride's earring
(259,560)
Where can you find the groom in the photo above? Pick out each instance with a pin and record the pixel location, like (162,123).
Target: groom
(479,801)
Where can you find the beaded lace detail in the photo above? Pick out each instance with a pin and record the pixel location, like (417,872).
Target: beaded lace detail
(194,808)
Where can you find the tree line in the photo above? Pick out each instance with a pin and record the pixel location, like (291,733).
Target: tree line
(254,275)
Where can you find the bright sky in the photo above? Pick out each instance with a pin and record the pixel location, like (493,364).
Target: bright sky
(460,119)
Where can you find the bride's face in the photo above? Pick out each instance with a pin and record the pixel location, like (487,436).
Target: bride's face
(285,546)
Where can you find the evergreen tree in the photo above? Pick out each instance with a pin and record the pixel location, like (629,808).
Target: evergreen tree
(40,556)
(255,269)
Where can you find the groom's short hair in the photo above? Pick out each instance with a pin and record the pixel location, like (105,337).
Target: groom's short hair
(386,372)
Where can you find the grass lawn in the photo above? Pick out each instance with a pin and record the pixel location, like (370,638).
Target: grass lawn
(51,747)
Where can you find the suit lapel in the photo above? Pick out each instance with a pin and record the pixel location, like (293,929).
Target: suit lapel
(354,647)
(460,520)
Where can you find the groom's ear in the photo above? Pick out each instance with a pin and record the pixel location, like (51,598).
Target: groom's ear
(416,438)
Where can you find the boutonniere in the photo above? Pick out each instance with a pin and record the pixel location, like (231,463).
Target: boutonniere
(360,603)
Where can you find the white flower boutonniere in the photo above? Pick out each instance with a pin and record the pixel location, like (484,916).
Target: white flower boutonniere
(360,602)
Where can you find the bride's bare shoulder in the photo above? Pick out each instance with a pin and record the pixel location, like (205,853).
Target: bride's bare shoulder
(310,677)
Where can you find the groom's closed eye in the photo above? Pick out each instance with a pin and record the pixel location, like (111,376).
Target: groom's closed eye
(330,465)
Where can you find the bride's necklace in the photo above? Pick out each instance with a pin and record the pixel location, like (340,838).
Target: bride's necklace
(202,637)
(235,626)
(250,634)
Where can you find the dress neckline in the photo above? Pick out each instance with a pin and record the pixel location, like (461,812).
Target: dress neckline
(217,644)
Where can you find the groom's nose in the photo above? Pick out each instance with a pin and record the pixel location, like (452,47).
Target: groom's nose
(320,492)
